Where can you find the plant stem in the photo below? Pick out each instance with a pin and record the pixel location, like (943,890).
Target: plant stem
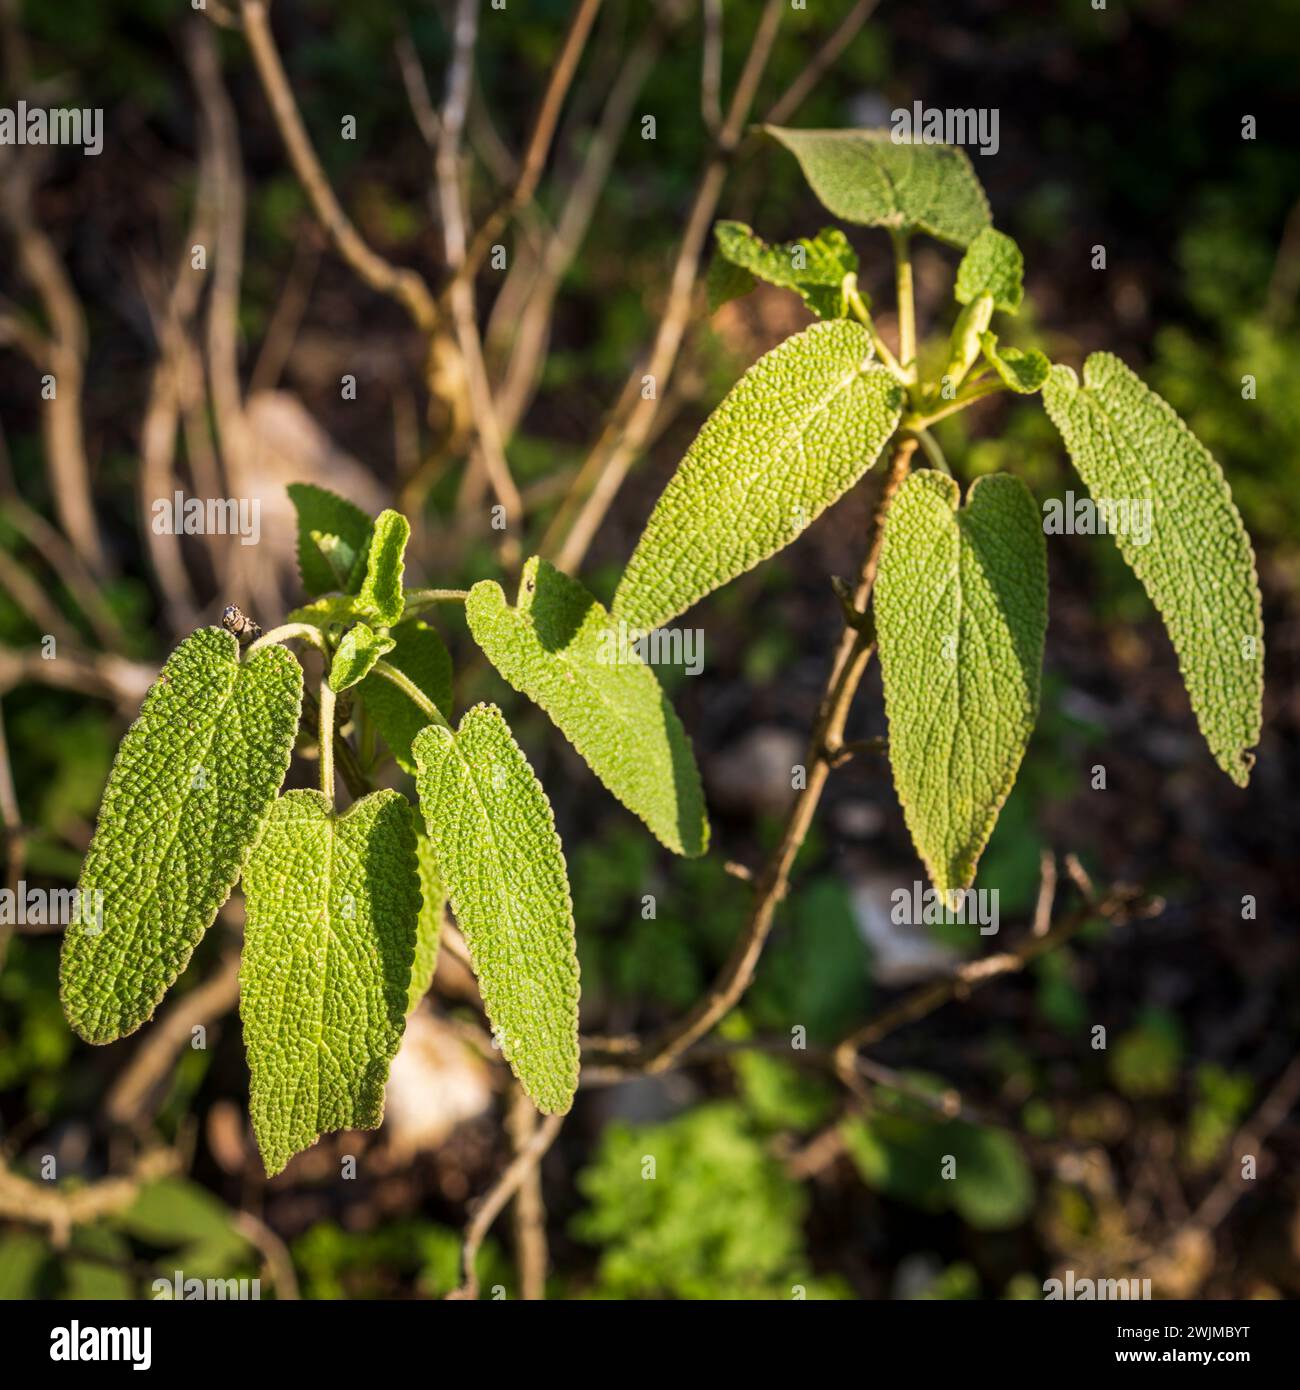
(853,298)
(825,746)
(417,599)
(932,451)
(920,422)
(412,692)
(906,304)
(304,632)
(327,742)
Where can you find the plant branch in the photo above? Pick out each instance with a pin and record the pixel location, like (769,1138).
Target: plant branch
(405,286)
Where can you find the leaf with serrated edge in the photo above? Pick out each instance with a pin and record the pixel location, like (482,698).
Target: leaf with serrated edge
(1198,565)
(793,435)
(381,590)
(992,265)
(325,975)
(419,653)
(814,267)
(188,793)
(326,514)
(1023,372)
(864,177)
(961,613)
(501,861)
(560,647)
(725,282)
(356,656)
(428,935)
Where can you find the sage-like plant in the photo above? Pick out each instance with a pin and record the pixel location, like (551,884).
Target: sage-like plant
(345,907)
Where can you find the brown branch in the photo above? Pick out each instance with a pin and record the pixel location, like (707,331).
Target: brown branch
(495,1199)
(539,145)
(802,87)
(60,1209)
(107,676)
(529,1208)
(405,286)
(129,1095)
(602,476)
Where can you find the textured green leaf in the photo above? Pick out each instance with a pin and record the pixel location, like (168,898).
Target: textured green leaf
(864,177)
(1198,565)
(559,647)
(961,612)
(418,652)
(429,930)
(724,282)
(992,265)
(356,656)
(501,861)
(1023,372)
(188,793)
(321,516)
(331,614)
(813,267)
(329,945)
(795,433)
(381,590)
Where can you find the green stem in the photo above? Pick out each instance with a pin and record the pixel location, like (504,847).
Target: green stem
(289,632)
(327,742)
(915,423)
(853,298)
(906,304)
(412,691)
(417,599)
(932,450)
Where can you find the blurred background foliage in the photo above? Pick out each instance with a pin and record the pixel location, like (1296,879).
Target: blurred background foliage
(1119,128)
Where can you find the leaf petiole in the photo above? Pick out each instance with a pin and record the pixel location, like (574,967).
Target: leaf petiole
(853,298)
(417,599)
(412,691)
(289,632)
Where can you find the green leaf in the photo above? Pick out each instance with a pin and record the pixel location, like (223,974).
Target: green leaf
(428,934)
(559,647)
(724,282)
(814,267)
(864,177)
(992,265)
(500,858)
(1023,372)
(188,793)
(418,653)
(381,590)
(796,432)
(329,945)
(961,612)
(330,530)
(1197,563)
(356,656)
(331,614)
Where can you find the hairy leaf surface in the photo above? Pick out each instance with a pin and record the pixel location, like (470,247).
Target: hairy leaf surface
(961,613)
(418,652)
(344,530)
(795,433)
(1023,372)
(992,265)
(814,267)
(433,898)
(864,177)
(356,656)
(326,970)
(1197,565)
(381,589)
(188,793)
(560,647)
(501,861)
